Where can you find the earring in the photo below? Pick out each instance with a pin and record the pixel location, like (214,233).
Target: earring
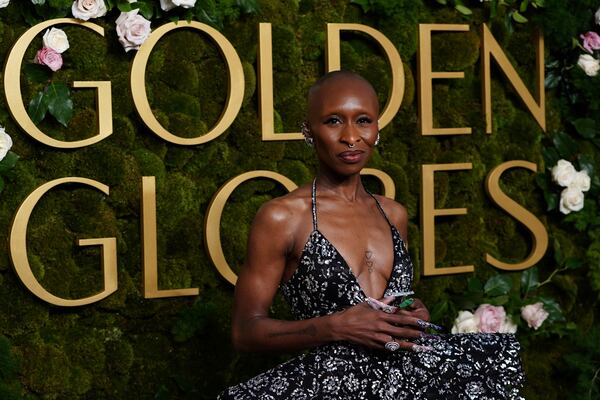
(377,140)
(306,133)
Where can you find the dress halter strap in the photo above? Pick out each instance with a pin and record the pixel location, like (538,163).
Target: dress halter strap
(314,204)
(380,208)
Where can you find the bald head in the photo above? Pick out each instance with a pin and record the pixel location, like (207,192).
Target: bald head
(334,76)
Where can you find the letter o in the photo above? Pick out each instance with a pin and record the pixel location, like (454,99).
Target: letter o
(236,83)
(215,210)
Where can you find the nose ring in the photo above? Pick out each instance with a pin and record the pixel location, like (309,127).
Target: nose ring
(351,145)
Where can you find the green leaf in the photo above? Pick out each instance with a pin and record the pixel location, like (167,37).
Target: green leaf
(551,156)
(37,73)
(553,308)
(463,10)
(146,9)
(124,7)
(1,184)
(524,5)
(518,17)
(552,79)
(565,145)
(248,6)
(38,107)
(364,4)
(498,300)
(60,104)
(529,280)
(586,127)
(573,263)
(588,163)
(498,285)
(474,285)
(9,161)
(444,2)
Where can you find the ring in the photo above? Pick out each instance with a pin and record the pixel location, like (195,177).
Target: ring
(392,345)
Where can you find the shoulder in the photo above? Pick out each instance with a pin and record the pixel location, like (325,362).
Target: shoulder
(283,212)
(396,213)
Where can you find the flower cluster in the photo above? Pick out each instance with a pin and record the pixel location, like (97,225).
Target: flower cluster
(486,319)
(493,319)
(591,43)
(575,183)
(55,43)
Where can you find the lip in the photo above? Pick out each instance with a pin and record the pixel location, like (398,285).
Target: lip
(351,156)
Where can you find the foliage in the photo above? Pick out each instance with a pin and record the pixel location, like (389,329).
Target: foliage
(130,347)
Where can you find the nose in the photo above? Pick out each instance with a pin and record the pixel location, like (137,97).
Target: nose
(350,135)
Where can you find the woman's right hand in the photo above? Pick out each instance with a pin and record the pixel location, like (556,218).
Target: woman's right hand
(365,326)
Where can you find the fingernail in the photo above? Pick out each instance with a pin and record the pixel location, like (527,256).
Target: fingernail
(429,336)
(426,324)
(421,349)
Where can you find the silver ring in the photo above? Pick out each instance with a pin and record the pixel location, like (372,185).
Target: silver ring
(351,145)
(392,345)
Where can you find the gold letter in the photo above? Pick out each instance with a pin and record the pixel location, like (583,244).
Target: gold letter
(334,63)
(491,47)
(426,76)
(428,214)
(18,248)
(540,236)
(265,87)
(215,209)
(236,83)
(149,255)
(14,100)
(389,189)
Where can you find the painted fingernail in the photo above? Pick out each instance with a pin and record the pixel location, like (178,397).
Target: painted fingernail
(426,324)
(429,336)
(421,349)
(406,303)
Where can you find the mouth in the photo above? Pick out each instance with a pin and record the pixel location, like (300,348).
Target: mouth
(351,156)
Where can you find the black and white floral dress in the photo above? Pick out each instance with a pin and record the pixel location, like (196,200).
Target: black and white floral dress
(460,366)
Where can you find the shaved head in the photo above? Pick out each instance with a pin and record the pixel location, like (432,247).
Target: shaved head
(334,76)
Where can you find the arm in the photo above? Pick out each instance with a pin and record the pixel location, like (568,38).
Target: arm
(271,240)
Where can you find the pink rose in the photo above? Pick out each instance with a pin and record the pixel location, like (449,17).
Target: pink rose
(50,58)
(534,314)
(591,41)
(491,318)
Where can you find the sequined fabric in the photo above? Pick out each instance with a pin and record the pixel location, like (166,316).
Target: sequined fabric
(462,366)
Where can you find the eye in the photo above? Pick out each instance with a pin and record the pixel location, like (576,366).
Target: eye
(333,121)
(364,121)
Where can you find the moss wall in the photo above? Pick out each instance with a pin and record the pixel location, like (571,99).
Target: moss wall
(130,347)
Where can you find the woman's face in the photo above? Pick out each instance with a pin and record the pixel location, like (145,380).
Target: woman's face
(342,116)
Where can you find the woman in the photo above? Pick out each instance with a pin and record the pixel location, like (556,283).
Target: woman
(332,247)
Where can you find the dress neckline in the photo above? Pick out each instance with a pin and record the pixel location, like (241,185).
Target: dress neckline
(393,229)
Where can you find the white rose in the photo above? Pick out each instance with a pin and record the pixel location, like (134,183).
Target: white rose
(563,173)
(589,64)
(166,5)
(466,322)
(56,39)
(508,326)
(86,9)
(571,200)
(5,143)
(132,29)
(534,314)
(581,181)
(132,1)
(597,16)
(4,3)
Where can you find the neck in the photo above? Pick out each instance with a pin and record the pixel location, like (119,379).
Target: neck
(346,187)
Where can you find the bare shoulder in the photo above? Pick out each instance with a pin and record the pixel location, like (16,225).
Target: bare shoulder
(284,213)
(396,213)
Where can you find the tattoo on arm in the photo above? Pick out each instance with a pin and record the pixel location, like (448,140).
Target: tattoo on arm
(310,330)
